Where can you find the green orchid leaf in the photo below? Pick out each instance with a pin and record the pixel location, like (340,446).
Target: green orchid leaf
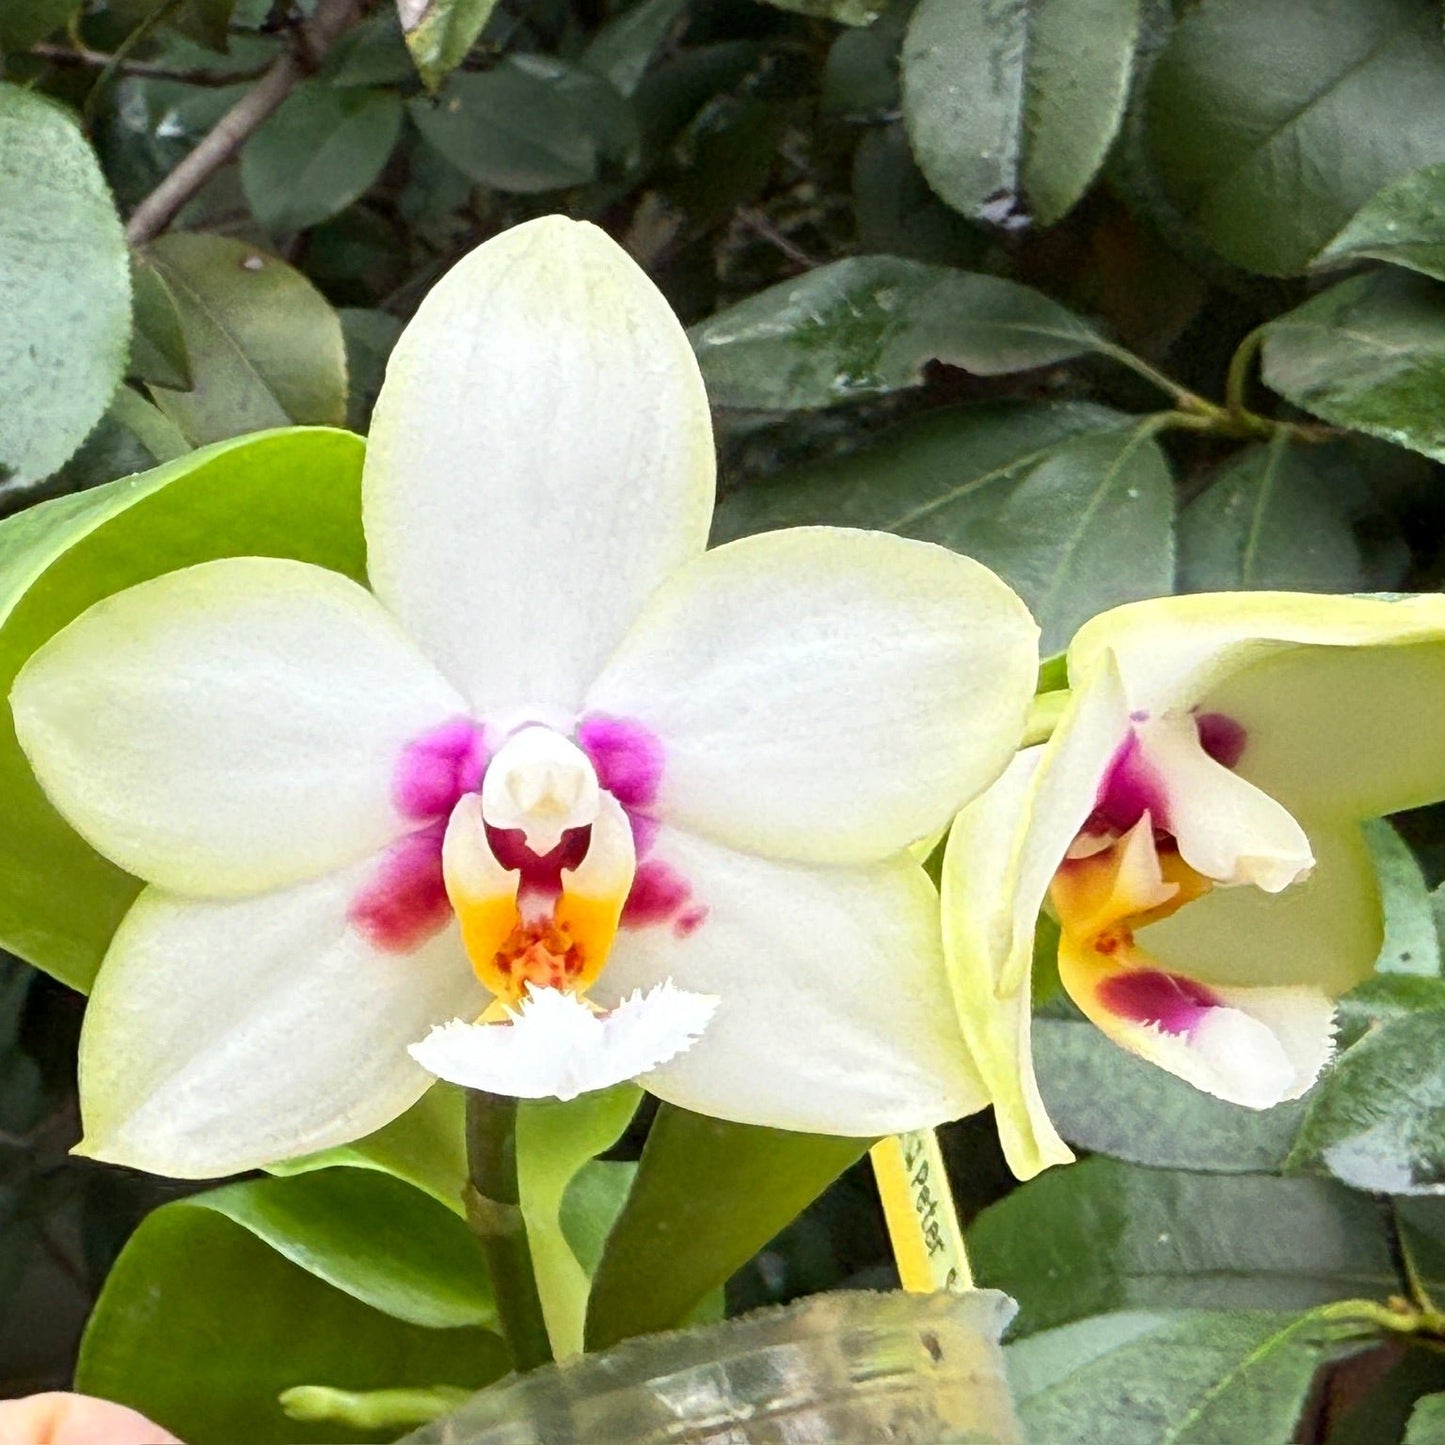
(708,1196)
(60,901)
(554,1143)
(1012,110)
(439,33)
(1106,1100)
(869,324)
(1270,130)
(1185,1377)
(1048,496)
(1427,1422)
(201,1326)
(64,289)
(1376,1121)
(531,124)
(1275,517)
(1403,223)
(1368,353)
(265,347)
(1105,1236)
(371,1236)
(321,151)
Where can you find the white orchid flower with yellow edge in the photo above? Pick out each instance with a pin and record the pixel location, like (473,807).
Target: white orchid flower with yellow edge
(1193,825)
(563,800)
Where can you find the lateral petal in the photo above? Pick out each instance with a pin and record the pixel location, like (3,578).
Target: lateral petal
(825,695)
(540,458)
(231,727)
(224,1036)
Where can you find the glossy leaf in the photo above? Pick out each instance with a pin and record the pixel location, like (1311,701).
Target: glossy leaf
(1011,109)
(265,348)
(870,324)
(1104,1099)
(708,1196)
(1377,1119)
(201,1326)
(1369,353)
(1051,497)
(372,1237)
(531,124)
(1273,518)
(554,1142)
(59,900)
(1272,123)
(1404,224)
(157,343)
(1186,1377)
(64,289)
(1104,1236)
(439,33)
(321,151)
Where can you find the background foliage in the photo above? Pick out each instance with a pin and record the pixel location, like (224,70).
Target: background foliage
(1120,296)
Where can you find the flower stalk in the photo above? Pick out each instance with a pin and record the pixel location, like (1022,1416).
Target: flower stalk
(494,1211)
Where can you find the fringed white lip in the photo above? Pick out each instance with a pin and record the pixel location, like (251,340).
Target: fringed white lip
(555,1046)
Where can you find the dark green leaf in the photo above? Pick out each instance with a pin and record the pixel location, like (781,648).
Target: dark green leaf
(1427,1424)
(23,22)
(64,289)
(207,21)
(621,50)
(1050,497)
(59,900)
(1412,944)
(1368,353)
(265,348)
(1104,1236)
(1421,1226)
(1103,1098)
(870,324)
(371,1236)
(1177,1378)
(374,53)
(708,1196)
(897,211)
(1272,518)
(370,336)
(1273,122)
(846,12)
(157,343)
(439,33)
(1011,109)
(531,124)
(318,153)
(201,1326)
(1377,1119)
(1404,224)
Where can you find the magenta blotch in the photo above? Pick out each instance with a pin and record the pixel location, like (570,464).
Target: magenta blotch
(1221,737)
(1150,996)
(404,902)
(628,757)
(1130,788)
(435,769)
(659,891)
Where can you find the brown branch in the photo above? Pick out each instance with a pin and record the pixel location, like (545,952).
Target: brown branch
(81,56)
(235,128)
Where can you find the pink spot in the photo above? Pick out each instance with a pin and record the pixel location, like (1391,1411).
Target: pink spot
(1150,996)
(628,757)
(405,900)
(1221,737)
(1130,788)
(658,892)
(645,829)
(435,769)
(686,924)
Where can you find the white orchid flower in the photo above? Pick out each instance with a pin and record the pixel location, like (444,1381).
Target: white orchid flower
(1193,826)
(563,800)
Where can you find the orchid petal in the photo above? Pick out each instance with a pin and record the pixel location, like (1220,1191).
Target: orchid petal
(224,1036)
(231,727)
(540,458)
(834,1015)
(1226,828)
(1324,932)
(554,1046)
(1316,683)
(825,695)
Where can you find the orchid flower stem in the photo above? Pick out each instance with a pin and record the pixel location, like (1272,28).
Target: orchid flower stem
(494,1211)
(918,1208)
